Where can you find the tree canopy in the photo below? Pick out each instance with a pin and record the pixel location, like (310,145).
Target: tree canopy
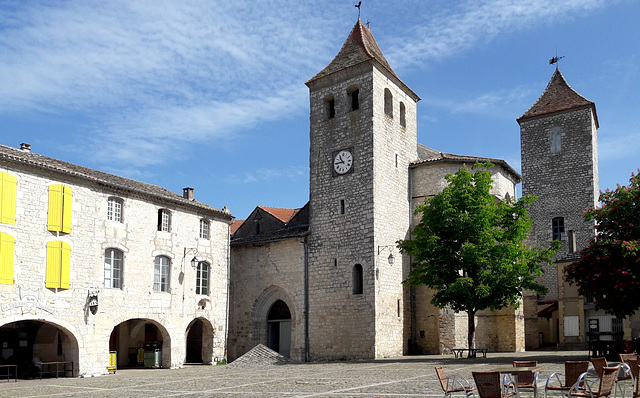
(469,247)
(609,268)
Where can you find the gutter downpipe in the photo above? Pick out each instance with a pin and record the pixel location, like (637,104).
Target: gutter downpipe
(306,300)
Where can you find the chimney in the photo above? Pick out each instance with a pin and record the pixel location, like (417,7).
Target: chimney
(187,193)
(25,147)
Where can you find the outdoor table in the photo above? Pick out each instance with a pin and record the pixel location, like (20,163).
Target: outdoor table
(57,364)
(513,371)
(15,371)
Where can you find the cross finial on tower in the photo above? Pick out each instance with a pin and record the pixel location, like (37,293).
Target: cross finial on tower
(358,7)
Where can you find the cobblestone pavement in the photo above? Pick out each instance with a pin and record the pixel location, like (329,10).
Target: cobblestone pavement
(397,377)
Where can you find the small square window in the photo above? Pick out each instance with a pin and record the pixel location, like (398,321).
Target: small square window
(114,210)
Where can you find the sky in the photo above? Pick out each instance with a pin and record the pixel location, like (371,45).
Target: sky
(211,94)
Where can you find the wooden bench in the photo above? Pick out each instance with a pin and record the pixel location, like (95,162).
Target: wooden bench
(458,352)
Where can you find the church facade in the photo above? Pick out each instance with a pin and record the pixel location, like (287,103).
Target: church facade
(327,283)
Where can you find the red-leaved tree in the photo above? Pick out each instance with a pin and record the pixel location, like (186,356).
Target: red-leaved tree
(609,268)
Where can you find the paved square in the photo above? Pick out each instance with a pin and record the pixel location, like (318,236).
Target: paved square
(412,376)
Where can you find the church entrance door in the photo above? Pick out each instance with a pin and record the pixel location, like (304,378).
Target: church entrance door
(279,328)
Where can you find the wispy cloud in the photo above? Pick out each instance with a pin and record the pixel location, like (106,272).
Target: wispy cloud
(156,75)
(492,103)
(266,175)
(474,22)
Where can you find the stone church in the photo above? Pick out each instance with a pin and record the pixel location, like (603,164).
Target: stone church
(325,281)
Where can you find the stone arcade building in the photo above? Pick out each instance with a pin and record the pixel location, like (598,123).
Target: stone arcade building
(92,263)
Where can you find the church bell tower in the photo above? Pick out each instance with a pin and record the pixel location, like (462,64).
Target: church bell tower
(362,139)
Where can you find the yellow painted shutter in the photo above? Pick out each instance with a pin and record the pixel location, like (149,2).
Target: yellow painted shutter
(54,222)
(67,197)
(65,265)
(7,245)
(8,185)
(53,264)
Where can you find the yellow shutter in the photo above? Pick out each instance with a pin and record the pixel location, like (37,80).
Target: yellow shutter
(65,265)
(8,185)
(7,245)
(66,209)
(53,264)
(55,208)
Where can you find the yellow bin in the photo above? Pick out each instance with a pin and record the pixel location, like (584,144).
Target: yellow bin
(113,361)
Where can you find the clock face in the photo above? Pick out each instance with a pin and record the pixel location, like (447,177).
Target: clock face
(343,161)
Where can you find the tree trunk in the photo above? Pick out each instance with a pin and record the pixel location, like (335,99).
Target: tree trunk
(471,322)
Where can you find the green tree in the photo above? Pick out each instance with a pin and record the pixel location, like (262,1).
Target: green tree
(470,247)
(609,268)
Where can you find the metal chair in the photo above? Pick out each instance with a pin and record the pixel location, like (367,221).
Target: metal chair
(454,384)
(489,385)
(585,387)
(623,375)
(572,371)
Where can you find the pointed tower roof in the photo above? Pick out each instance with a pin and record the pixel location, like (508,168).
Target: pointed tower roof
(558,97)
(359,47)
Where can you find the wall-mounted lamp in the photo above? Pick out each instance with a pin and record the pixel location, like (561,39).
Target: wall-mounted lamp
(191,250)
(391,259)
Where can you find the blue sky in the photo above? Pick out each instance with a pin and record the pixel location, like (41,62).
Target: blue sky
(211,94)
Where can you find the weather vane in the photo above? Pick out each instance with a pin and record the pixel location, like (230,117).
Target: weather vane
(556,59)
(358,7)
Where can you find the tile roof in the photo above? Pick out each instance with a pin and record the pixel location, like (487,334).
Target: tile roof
(299,231)
(117,183)
(284,215)
(558,97)
(235,224)
(429,155)
(359,47)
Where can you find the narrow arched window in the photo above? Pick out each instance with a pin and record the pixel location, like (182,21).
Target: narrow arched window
(403,118)
(354,97)
(329,107)
(356,276)
(388,103)
(557,228)
(555,140)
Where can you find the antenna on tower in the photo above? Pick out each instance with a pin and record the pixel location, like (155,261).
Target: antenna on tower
(358,7)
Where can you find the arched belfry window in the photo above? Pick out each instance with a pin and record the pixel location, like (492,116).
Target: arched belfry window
(354,98)
(388,103)
(329,107)
(356,276)
(403,118)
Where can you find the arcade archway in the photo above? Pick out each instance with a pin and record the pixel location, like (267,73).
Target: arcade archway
(26,343)
(199,338)
(141,343)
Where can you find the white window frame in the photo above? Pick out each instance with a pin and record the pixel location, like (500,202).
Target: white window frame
(164,220)
(204,228)
(203,272)
(161,274)
(114,209)
(113,264)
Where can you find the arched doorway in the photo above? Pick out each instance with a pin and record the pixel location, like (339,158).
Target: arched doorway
(25,343)
(140,343)
(279,328)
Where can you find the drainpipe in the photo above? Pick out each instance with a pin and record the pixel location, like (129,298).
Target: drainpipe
(306,299)
(226,321)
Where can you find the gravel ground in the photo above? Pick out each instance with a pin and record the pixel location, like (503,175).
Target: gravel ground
(412,376)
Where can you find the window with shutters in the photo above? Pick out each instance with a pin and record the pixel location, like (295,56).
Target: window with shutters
(58,265)
(114,209)
(161,274)
(202,278)
(7,245)
(8,185)
(59,218)
(113,259)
